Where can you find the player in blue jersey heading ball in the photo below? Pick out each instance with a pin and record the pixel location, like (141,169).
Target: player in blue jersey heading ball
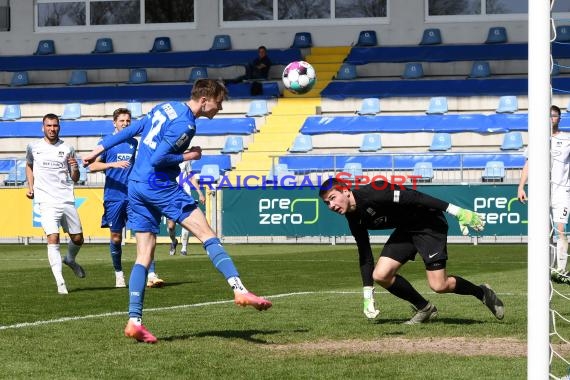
(154,191)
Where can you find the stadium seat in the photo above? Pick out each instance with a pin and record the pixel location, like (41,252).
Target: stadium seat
(209,173)
(197,73)
(494,171)
(16,176)
(440,142)
(82,175)
(233,144)
(431,37)
(497,35)
(77,77)
(135,108)
(423,170)
(367,38)
(45,47)
(302,40)
(137,76)
(161,45)
(276,169)
(508,104)
(222,42)
(71,111)
(12,112)
(302,144)
(354,168)
(371,142)
(19,78)
(103,45)
(512,141)
(563,33)
(346,72)
(480,69)
(369,106)
(437,106)
(413,70)
(257,108)
(555,69)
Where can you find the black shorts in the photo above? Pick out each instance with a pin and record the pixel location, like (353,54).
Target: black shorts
(403,244)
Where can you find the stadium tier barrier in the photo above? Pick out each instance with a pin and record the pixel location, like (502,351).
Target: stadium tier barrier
(434,87)
(81,128)
(138,92)
(447,53)
(205,58)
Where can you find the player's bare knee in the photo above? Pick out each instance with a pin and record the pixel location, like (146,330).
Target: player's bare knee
(382,278)
(77,239)
(439,287)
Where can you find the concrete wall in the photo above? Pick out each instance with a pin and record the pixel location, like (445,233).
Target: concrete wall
(406,24)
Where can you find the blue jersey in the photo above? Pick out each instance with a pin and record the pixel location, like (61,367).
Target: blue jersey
(116,178)
(166,133)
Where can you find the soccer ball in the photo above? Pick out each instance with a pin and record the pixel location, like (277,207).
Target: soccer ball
(299,77)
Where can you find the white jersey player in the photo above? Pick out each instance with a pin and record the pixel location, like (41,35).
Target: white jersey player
(49,164)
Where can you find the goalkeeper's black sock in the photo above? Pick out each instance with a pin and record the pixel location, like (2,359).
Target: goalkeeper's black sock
(401,288)
(467,288)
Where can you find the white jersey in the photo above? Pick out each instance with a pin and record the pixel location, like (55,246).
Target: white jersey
(560,162)
(51,171)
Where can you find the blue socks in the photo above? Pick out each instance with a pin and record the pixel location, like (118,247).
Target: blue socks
(116,254)
(220,258)
(137,285)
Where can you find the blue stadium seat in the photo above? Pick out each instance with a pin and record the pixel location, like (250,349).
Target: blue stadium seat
(424,170)
(16,176)
(508,104)
(71,111)
(138,76)
(45,47)
(497,35)
(302,144)
(19,78)
(233,144)
(135,108)
(555,69)
(563,33)
(371,142)
(437,105)
(103,45)
(512,141)
(257,108)
(198,73)
(161,45)
(413,70)
(440,142)
(369,106)
(302,40)
(82,175)
(209,173)
(431,36)
(354,168)
(222,42)
(12,112)
(494,171)
(480,69)
(77,77)
(347,71)
(367,38)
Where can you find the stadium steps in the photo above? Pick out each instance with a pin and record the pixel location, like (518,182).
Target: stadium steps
(326,60)
(274,138)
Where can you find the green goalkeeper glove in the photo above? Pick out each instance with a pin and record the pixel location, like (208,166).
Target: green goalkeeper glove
(467,219)
(369,304)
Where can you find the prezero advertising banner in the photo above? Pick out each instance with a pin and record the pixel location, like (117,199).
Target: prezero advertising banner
(300,211)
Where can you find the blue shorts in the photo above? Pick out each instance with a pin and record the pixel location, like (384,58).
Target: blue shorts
(149,202)
(115,215)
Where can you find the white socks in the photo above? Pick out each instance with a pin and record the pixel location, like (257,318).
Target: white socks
(184,236)
(54,258)
(561,254)
(236,285)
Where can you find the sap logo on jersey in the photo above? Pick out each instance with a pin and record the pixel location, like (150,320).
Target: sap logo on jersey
(288,211)
(497,210)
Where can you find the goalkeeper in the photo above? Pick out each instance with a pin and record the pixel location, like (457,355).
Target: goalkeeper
(419,227)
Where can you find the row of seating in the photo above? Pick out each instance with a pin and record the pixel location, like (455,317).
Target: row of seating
(71,111)
(441,142)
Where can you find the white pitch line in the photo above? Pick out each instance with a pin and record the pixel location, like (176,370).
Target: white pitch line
(122,313)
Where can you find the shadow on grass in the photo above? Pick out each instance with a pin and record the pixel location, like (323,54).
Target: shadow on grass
(247,335)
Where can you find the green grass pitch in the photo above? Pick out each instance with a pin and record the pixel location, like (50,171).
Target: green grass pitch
(315,330)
